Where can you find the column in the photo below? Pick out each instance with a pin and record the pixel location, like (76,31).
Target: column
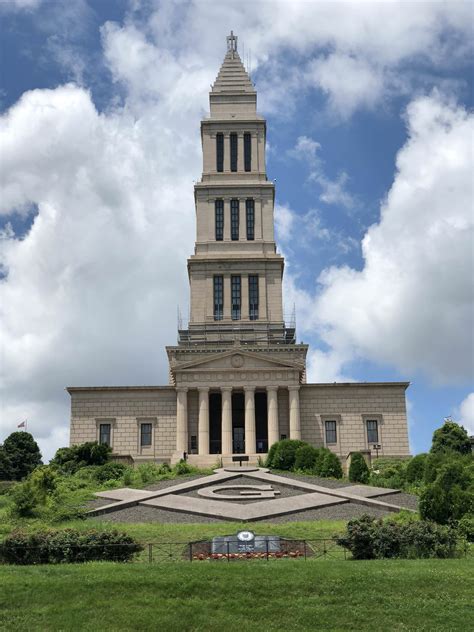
(181,419)
(203,428)
(250,438)
(295,428)
(272,415)
(226,447)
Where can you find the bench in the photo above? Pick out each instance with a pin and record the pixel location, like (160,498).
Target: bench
(240,458)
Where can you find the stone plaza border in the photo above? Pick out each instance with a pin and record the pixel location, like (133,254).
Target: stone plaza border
(171,498)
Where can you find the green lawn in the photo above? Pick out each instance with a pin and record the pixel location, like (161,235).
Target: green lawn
(264,596)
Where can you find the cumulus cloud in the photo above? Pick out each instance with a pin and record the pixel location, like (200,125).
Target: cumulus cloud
(466,413)
(411,306)
(104,256)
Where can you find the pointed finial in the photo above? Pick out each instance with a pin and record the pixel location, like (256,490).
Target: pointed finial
(232,43)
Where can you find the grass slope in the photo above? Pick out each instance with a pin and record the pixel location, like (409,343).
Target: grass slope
(265,596)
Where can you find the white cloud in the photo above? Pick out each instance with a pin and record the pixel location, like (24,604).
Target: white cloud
(466,413)
(411,305)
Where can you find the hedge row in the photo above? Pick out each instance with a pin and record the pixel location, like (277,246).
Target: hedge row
(68,545)
(295,455)
(368,538)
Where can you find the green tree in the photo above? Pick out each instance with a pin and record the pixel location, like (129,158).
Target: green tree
(5,466)
(22,454)
(358,470)
(451,437)
(71,459)
(416,468)
(451,495)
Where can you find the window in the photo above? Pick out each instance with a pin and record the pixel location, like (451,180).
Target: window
(194,444)
(235,285)
(282,437)
(145,434)
(253,296)
(219,206)
(234,220)
(220,152)
(331,432)
(233,152)
(372,431)
(250,217)
(104,433)
(247,152)
(218,297)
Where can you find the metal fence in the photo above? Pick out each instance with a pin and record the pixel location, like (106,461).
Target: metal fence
(200,551)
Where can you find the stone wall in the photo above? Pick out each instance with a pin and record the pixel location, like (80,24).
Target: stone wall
(351,405)
(125,408)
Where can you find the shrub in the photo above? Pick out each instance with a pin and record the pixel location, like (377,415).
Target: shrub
(451,437)
(271,454)
(285,454)
(24,499)
(69,545)
(358,470)
(319,462)
(20,455)
(388,472)
(331,466)
(183,467)
(69,460)
(466,527)
(43,482)
(416,468)
(451,495)
(110,472)
(149,472)
(305,458)
(370,538)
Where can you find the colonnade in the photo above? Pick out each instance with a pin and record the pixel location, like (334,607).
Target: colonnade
(227,437)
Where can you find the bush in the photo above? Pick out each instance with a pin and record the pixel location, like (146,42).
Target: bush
(285,454)
(110,472)
(24,499)
(331,466)
(416,468)
(305,458)
(370,538)
(451,495)
(389,472)
(69,460)
(466,527)
(43,481)
(182,468)
(358,470)
(319,463)
(271,454)
(69,545)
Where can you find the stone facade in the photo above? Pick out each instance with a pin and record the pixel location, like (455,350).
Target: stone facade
(237,375)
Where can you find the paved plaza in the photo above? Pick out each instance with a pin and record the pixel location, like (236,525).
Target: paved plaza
(246,494)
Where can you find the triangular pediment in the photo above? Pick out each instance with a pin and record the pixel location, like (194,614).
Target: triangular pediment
(239,360)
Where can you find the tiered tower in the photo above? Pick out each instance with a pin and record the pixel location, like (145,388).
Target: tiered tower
(236,273)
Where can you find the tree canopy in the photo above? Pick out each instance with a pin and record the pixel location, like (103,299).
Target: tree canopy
(19,455)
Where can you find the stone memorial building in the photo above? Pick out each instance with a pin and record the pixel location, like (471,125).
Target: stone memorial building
(237,374)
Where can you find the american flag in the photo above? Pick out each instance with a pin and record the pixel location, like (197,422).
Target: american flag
(22,425)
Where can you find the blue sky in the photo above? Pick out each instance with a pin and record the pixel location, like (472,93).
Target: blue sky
(369,111)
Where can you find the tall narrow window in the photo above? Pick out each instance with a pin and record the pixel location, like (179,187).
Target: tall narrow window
(219,206)
(372,431)
(145,434)
(234,220)
(253,296)
(218,297)
(250,216)
(235,284)
(233,151)
(331,432)
(220,152)
(247,152)
(104,433)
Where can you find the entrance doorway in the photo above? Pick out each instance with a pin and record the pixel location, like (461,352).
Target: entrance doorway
(215,425)
(238,423)
(238,444)
(261,422)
